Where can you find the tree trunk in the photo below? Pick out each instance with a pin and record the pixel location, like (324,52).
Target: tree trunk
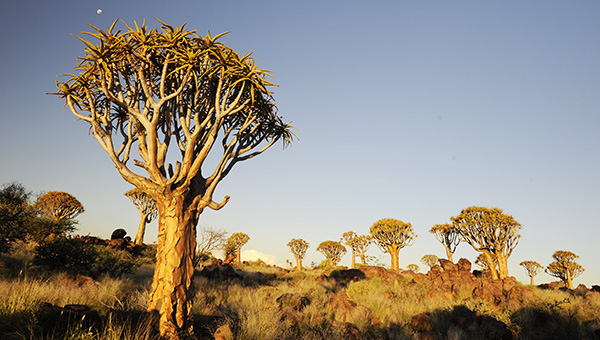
(395,259)
(569,281)
(502,265)
(353,259)
(531,280)
(362,259)
(491,265)
(298,263)
(239,256)
(449,255)
(172,284)
(139,237)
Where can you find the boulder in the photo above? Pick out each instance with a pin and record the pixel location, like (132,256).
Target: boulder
(447,265)
(118,233)
(422,323)
(464,265)
(223,333)
(348,275)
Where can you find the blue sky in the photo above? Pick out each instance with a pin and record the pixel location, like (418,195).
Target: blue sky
(407,110)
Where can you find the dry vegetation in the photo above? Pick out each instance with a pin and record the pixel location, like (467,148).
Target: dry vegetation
(261,302)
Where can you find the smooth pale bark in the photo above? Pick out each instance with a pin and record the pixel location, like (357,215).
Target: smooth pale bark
(298,263)
(502,265)
(394,253)
(362,258)
(172,293)
(139,237)
(239,256)
(531,279)
(569,280)
(353,259)
(491,266)
(449,254)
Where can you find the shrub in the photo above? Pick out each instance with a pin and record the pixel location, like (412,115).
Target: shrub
(77,257)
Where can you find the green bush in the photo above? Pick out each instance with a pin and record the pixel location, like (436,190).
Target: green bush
(77,257)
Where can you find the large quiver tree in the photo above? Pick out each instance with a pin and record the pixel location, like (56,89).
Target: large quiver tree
(391,235)
(150,92)
(564,267)
(333,251)
(447,235)
(490,231)
(236,241)
(298,248)
(147,208)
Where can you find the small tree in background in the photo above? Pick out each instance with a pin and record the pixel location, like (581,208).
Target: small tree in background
(147,208)
(564,267)
(533,268)
(236,241)
(58,205)
(391,236)
(413,267)
(298,248)
(360,245)
(209,240)
(15,215)
(491,232)
(447,235)
(429,260)
(333,251)
(346,239)
(58,211)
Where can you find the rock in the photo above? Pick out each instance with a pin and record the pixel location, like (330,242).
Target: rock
(220,272)
(494,329)
(422,323)
(478,273)
(380,272)
(350,332)
(508,283)
(595,288)
(223,333)
(447,265)
(348,275)
(464,265)
(117,243)
(463,317)
(118,233)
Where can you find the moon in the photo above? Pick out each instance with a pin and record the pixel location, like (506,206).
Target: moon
(99,11)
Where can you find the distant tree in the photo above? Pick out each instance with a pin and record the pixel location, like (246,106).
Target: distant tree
(564,267)
(429,260)
(413,267)
(298,248)
(236,241)
(58,205)
(15,215)
(332,250)
(360,245)
(160,102)
(491,232)
(533,268)
(146,205)
(209,240)
(346,239)
(447,235)
(391,236)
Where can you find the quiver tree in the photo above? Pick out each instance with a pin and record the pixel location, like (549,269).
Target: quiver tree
(147,93)
(413,267)
(491,232)
(298,248)
(59,206)
(15,215)
(236,241)
(346,239)
(564,267)
(360,245)
(447,235)
(482,262)
(333,251)
(532,268)
(147,208)
(429,260)
(391,236)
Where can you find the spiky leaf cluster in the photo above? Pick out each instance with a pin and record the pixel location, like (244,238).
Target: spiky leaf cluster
(332,250)
(145,204)
(533,268)
(564,266)
(59,206)
(392,233)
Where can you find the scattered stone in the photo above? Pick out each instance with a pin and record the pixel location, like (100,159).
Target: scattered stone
(118,233)
(464,265)
(349,275)
(447,265)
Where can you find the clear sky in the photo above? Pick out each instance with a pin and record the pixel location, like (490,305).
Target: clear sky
(411,110)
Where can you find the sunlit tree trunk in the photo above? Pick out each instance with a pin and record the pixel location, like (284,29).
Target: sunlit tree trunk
(569,280)
(532,280)
(449,255)
(491,265)
(502,265)
(139,237)
(362,259)
(298,263)
(172,293)
(395,254)
(353,259)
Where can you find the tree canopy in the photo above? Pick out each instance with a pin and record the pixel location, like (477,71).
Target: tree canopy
(333,251)
(360,244)
(298,248)
(429,260)
(564,267)
(236,241)
(447,235)
(15,214)
(58,205)
(533,268)
(490,231)
(391,235)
